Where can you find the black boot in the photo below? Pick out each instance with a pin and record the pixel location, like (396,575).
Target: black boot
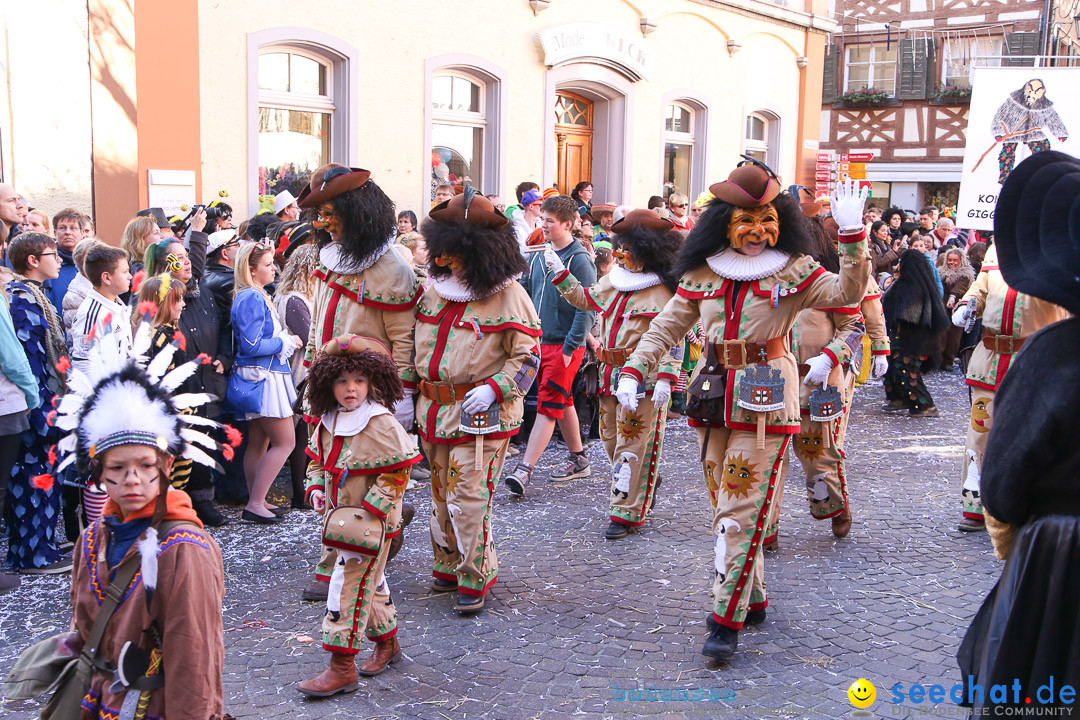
(202,501)
(754,617)
(616,530)
(721,643)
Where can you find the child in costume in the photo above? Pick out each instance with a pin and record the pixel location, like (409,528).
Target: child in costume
(360,463)
(127,430)
(627,299)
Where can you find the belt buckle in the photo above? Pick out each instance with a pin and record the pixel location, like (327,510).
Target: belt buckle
(449,393)
(728,346)
(1004,344)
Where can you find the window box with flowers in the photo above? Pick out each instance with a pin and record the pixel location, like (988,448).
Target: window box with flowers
(867,97)
(953,95)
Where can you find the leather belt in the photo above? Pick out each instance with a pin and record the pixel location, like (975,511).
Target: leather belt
(446,393)
(1003,344)
(737,354)
(616,357)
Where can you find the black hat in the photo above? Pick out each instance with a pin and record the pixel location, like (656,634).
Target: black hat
(1037,228)
(157,213)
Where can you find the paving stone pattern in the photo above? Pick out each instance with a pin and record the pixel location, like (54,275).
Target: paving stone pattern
(581,626)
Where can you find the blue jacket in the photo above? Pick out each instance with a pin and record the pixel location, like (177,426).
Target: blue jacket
(253,329)
(562,323)
(56,288)
(14,367)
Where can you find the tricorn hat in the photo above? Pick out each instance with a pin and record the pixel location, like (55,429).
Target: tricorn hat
(751,184)
(645,219)
(470,207)
(328,182)
(1037,228)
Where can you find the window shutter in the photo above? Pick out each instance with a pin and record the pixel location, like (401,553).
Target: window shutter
(916,62)
(831,71)
(1020,43)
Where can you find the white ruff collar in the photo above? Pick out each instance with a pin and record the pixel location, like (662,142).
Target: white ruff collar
(331,257)
(348,423)
(624,280)
(455,290)
(729,263)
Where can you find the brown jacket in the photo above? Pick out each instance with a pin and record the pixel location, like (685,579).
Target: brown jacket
(1004,311)
(874,318)
(743,310)
(624,318)
(186,608)
(484,340)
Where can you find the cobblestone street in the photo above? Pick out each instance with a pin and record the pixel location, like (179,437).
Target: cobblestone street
(580,626)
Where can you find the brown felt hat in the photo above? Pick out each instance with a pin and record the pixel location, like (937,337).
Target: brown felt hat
(353,344)
(645,219)
(328,182)
(747,186)
(470,207)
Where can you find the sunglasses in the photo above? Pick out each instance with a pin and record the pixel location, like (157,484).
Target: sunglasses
(679,206)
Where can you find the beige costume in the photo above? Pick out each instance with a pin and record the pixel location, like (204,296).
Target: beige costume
(626,303)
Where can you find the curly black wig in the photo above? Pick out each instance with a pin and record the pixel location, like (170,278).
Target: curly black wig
(822,248)
(384,385)
(709,235)
(655,251)
(490,255)
(368,220)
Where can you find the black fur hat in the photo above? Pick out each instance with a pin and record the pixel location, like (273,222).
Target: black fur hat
(489,255)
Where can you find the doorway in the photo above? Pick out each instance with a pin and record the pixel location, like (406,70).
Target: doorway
(573,140)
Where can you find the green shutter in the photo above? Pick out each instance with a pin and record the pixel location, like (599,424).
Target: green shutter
(916,72)
(830,81)
(1020,43)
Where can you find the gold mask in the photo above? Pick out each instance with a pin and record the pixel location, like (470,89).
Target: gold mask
(327,220)
(451,261)
(754,225)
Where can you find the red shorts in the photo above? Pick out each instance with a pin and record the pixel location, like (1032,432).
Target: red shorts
(556,379)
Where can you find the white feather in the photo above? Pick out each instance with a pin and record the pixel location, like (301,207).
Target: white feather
(64,463)
(194,436)
(124,405)
(78,383)
(193,453)
(66,422)
(140,345)
(190,400)
(178,375)
(160,364)
(67,444)
(70,405)
(148,552)
(197,420)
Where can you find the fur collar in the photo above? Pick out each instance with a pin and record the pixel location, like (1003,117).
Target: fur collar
(624,280)
(332,257)
(347,424)
(729,263)
(453,289)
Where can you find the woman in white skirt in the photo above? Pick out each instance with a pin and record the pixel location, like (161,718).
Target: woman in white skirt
(263,351)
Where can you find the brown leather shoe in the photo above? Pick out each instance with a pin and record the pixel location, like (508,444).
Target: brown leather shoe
(386,652)
(407,513)
(316,591)
(340,677)
(841,524)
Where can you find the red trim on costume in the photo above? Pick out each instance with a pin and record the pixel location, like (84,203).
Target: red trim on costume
(340,650)
(769,429)
(667,376)
(474,592)
(451,314)
(378,305)
(754,607)
(704,294)
(974,516)
(592,301)
(385,636)
(759,529)
(359,607)
(532,332)
(387,468)
(620,297)
(988,268)
(555,280)
(632,372)
(373,510)
(831,355)
(980,384)
(876,353)
(307,493)
(755,285)
(841,310)
(490,382)
(409,384)
(443,576)
(350,548)
(322,578)
(852,237)
(311,453)
(392,535)
(328,317)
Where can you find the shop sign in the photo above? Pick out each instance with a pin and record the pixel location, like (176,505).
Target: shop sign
(597,43)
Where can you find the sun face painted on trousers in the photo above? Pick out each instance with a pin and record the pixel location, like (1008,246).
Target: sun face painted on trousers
(980,415)
(739,476)
(760,224)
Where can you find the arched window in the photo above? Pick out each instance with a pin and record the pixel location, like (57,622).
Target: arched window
(761,137)
(678,148)
(463,125)
(302,88)
(458,122)
(296,117)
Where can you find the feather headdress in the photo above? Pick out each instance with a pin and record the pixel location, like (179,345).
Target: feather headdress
(124,399)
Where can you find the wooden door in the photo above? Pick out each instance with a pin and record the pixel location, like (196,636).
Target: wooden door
(573,141)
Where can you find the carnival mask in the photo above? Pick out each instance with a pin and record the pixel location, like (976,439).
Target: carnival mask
(759,224)
(451,261)
(328,220)
(1033,91)
(626,259)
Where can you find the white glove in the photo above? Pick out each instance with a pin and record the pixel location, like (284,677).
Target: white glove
(478,399)
(960,315)
(289,344)
(661,394)
(881,366)
(554,264)
(820,367)
(405,411)
(847,206)
(626,392)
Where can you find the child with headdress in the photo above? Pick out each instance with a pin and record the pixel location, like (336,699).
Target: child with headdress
(149,548)
(360,464)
